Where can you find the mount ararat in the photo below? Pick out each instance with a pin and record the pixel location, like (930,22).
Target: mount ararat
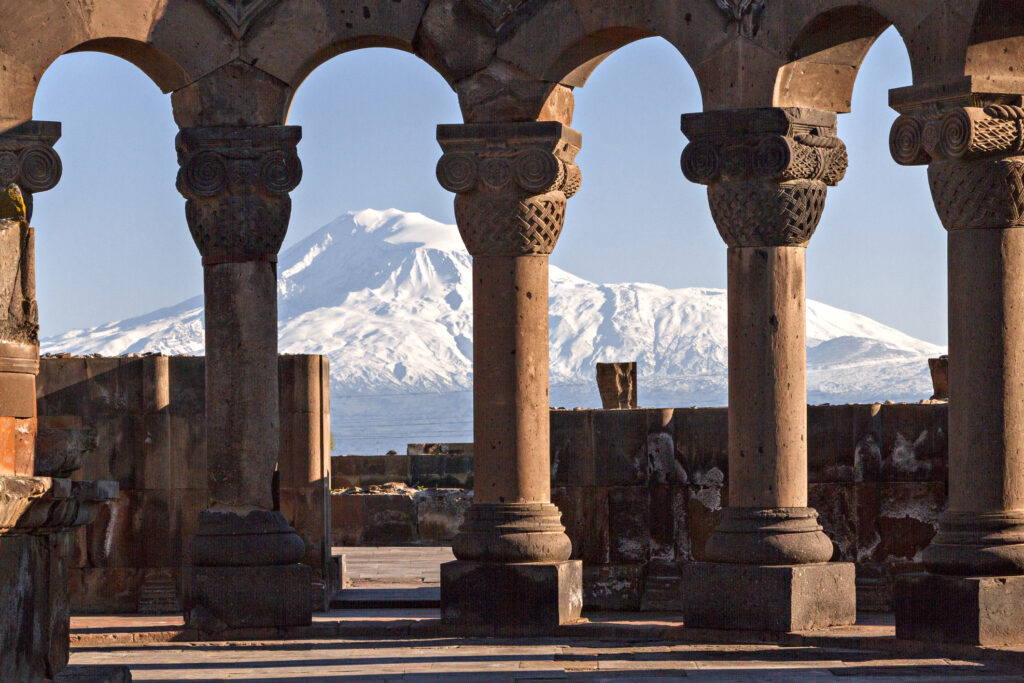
(386,295)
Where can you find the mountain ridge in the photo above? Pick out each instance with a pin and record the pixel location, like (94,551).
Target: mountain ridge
(386,295)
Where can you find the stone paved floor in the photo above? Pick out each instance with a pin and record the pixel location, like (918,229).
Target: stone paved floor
(449,660)
(408,644)
(405,566)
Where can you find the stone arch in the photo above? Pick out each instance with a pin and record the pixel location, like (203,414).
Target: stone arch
(824,57)
(995,49)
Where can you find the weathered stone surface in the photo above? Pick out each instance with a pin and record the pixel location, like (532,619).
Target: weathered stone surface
(440,513)
(534,596)
(954,609)
(613,586)
(758,598)
(616,383)
(222,597)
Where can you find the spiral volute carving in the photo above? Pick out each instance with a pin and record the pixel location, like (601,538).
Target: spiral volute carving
(237,182)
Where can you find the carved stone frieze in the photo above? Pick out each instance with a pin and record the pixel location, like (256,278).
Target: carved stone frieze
(239,15)
(511,181)
(767,171)
(976,161)
(237,182)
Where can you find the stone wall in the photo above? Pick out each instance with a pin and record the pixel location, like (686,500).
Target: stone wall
(641,490)
(396,514)
(427,465)
(140,421)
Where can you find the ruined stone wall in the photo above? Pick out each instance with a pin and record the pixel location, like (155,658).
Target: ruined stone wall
(641,490)
(140,421)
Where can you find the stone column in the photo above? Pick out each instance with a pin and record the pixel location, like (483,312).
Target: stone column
(512,181)
(767,172)
(245,556)
(28,164)
(974,589)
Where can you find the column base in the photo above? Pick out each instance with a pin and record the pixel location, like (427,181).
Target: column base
(976,610)
(221,598)
(511,599)
(769,598)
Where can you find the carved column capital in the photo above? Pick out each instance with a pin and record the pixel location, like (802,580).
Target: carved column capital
(511,181)
(767,171)
(28,160)
(975,157)
(237,182)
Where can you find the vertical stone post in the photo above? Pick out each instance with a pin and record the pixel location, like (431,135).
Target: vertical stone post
(245,556)
(767,172)
(511,182)
(28,164)
(974,589)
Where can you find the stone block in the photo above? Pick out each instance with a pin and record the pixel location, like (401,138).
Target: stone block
(662,467)
(572,448)
(774,599)
(188,453)
(439,471)
(61,386)
(303,508)
(616,587)
(248,597)
(25,432)
(663,521)
(388,520)
(154,457)
(34,617)
(629,524)
(701,438)
(105,590)
(836,503)
(440,512)
(835,435)
(620,453)
(960,609)
(188,385)
(915,441)
(896,520)
(346,519)
(616,383)
(511,599)
(300,463)
(703,513)
(663,587)
(585,518)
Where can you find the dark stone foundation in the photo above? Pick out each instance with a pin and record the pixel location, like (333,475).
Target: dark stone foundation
(512,598)
(975,610)
(769,598)
(247,597)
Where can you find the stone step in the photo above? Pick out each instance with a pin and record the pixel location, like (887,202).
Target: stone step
(425,597)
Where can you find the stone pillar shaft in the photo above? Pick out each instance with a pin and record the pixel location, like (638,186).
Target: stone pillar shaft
(767,382)
(510,379)
(511,183)
(241,383)
(986,349)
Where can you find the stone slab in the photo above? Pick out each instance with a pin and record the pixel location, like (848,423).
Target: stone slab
(957,609)
(249,597)
(95,673)
(769,598)
(511,598)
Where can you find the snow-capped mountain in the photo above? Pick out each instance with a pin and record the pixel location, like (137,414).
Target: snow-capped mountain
(386,295)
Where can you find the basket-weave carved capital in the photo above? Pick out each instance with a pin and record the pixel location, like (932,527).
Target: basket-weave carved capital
(28,160)
(511,181)
(237,182)
(767,171)
(975,158)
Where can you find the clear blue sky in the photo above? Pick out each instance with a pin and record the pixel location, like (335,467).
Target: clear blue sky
(112,240)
